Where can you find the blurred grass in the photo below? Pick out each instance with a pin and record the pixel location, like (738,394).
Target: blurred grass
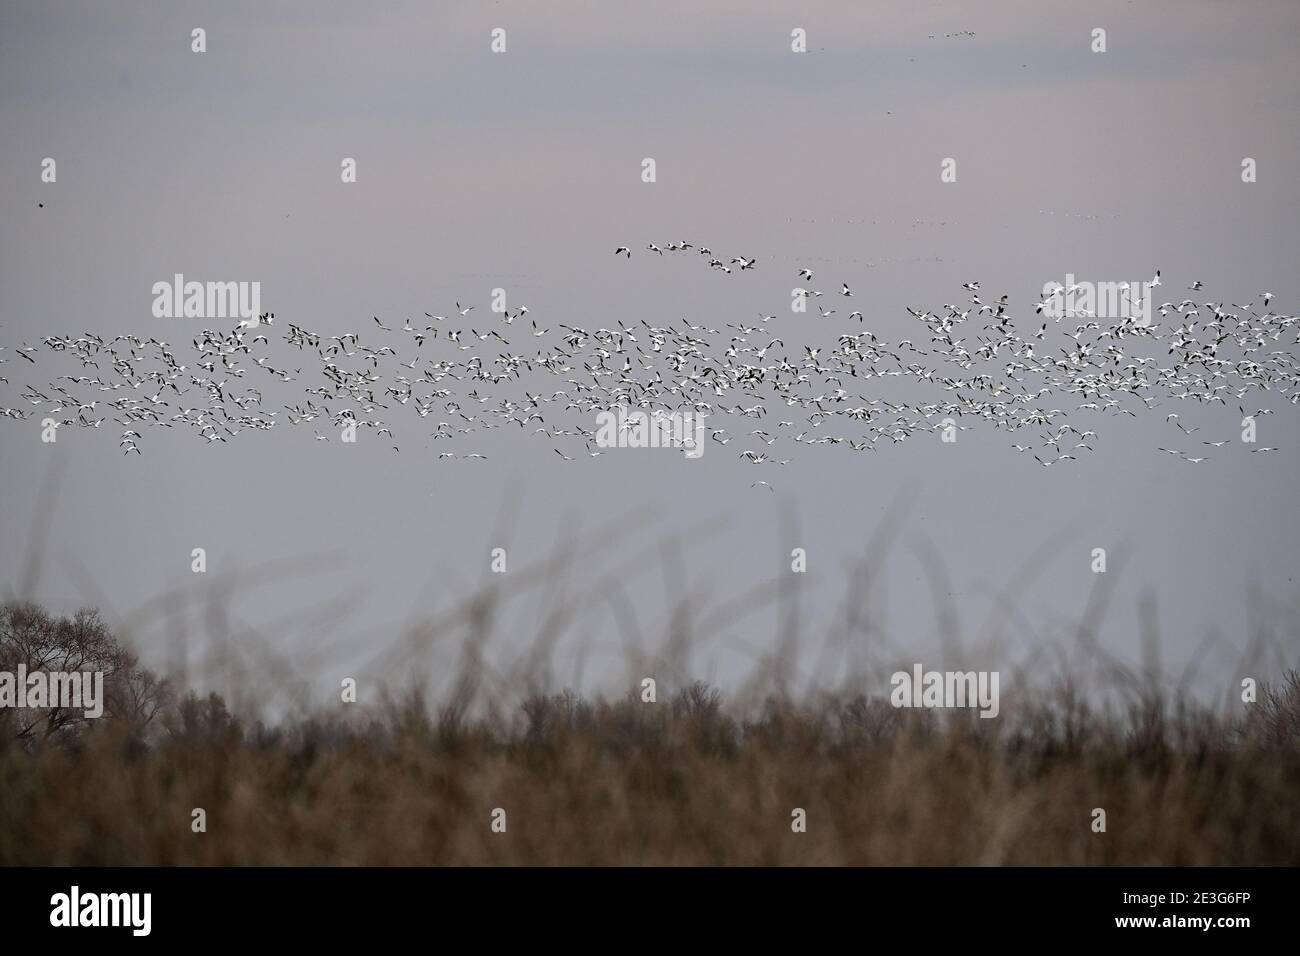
(695,778)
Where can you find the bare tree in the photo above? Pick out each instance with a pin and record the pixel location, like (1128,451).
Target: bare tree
(30,636)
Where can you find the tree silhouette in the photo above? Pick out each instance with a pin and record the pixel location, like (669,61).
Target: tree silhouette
(31,636)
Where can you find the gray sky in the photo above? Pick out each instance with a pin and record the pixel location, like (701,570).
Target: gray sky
(522,170)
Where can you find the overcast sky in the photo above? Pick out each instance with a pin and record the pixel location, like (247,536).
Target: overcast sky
(521,170)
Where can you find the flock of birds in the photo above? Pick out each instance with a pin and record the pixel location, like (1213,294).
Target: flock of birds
(451,376)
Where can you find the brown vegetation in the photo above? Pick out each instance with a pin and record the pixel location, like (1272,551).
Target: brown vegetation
(681,781)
